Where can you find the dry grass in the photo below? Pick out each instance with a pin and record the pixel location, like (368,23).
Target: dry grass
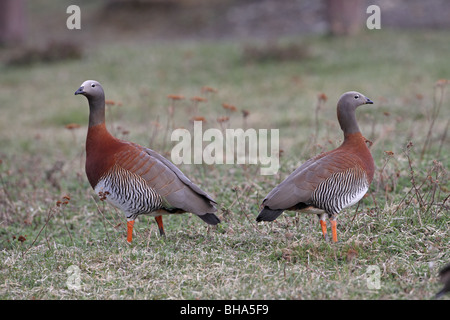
(401,227)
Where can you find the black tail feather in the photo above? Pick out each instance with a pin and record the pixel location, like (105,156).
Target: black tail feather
(268,214)
(210,218)
(440,293)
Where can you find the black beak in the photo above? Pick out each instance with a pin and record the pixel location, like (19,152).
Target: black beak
(368,101)
(80,91)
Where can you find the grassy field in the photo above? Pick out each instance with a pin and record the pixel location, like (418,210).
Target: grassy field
(53,228)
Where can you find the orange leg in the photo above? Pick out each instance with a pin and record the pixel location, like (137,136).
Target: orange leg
(323,223)
(333,230)
(130,225)
(159,221)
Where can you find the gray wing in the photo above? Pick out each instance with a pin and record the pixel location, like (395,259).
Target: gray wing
(300,184)
(166,179)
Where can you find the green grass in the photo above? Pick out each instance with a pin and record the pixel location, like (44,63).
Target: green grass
(402,227)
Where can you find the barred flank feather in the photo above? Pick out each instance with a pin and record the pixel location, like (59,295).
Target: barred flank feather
(129,192)
(340,190)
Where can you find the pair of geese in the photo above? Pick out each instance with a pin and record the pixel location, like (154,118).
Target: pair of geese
(138,180)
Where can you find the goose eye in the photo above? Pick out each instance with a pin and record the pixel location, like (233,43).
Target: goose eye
(93,85)
(356,97)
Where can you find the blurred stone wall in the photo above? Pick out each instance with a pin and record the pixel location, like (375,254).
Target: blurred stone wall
(267,17)
(264,18)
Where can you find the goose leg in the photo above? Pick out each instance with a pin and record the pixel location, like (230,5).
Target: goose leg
(130,224)
(323,224)
(333,229)
(159,221)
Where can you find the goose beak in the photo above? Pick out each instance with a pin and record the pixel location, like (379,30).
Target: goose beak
(80,90)
(368,101)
